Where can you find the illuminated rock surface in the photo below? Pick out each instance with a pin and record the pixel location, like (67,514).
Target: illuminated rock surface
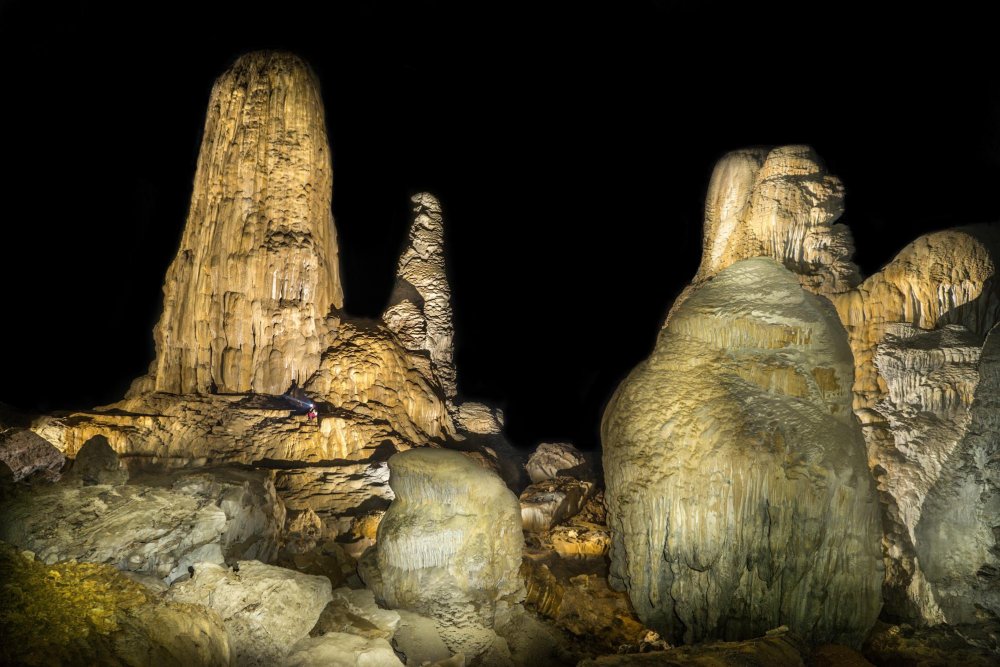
(27,454)
(738,490)
(419,309)
(246,299)
(157,526)
(574,593)
(781,203)
(339,649)
(265,609)
(552,459)
(546,504)
(449,546)
(90,614)
(917,329)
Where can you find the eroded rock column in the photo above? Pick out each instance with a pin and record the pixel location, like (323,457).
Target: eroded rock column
(247,296)
(738,490)
(419,309)
(449,546)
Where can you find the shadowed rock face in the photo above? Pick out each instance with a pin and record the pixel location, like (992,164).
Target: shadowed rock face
(738,491)
(247,296)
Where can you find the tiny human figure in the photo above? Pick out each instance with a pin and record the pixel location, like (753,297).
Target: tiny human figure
(312,414)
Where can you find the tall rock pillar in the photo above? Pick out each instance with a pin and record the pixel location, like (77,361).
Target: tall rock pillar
(246,298)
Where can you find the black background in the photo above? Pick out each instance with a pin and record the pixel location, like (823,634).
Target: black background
(570,148)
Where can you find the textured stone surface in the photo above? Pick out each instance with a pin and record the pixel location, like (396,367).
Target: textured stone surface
(27,454)
(355,612)
(158,525)
(777,649)
(339,649)
(546,504)
(266,609)
(474,417)
(552,459)
(90,614)
(246,299)
(738,490)
(418,640)
(957,537)
(941,645)
(780,203)
(419,310)
(576,596)
(917,328)
(449,546)
(97,463)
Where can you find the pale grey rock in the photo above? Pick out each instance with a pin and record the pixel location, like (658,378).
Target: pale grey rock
(417,638)
(419,310)
(552,459)
(339,649)
(738,490)
(957,538)
(548,503)
(355,612)
(156,526)
(448,547)
(265,609)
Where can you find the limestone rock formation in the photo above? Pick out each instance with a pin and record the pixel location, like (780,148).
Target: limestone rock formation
(479,418)
(157,527)
(355,612)
(97,463)
(778,648)
(339,649)
(90,614)
(366,372)
(419,310)
(247,297)
(552,459)
(449,546)
(738,490)
(781,203)
(546,504)
(917,329)
(27,454)
(266,609)
(576,596)
(957,537)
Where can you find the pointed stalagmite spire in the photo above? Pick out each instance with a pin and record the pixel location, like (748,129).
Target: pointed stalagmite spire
(419,309)
(247,297)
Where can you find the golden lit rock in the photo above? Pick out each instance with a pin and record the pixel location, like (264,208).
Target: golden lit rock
(419,309)
(917,329)
(247,298)
(780,203)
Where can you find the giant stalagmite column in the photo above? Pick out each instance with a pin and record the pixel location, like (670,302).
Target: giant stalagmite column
(738,489)
(246,298)
(419,309)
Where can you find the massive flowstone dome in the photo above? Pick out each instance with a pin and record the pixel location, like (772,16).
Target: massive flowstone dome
(737,485)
